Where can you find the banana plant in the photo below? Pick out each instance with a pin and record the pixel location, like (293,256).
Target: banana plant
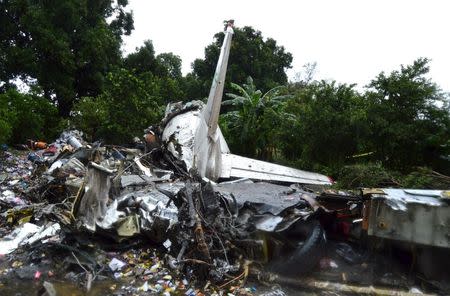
(252,123)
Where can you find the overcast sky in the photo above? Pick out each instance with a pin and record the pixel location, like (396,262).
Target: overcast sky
(351,40)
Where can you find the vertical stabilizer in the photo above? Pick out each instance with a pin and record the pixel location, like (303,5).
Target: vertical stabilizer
(212,110)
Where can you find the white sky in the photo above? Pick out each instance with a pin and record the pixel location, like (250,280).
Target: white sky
(351,40)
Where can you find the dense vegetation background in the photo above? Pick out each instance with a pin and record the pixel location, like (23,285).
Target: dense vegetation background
(67,54)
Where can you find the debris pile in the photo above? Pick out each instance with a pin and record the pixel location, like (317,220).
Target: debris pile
(61,200)
(135,220)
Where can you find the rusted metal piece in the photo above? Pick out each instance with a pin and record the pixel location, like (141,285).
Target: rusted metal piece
(200,238)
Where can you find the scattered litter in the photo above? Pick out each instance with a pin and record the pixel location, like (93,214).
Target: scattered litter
(116,264)
(12,241)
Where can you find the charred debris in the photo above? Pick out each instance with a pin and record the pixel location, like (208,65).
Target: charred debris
(88,212)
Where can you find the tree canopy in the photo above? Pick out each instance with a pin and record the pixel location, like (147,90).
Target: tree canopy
(409,117)
(68,54)
(67,47)
(250,55)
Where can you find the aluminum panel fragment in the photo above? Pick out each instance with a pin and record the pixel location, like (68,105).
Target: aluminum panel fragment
(414,216)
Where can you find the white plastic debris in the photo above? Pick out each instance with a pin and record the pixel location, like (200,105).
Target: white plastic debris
(415,290)
(143,168)
(10,197)
(333,264)
(13,182)
(44,232)
(74,142)
(71,137)
(57,164)
(12,241)
(167,244)
(144,287)
(116,264)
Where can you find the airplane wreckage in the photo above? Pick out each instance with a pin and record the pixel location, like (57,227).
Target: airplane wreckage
(216,216)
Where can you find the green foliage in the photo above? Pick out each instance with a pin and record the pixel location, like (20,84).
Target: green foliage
(90,115)
(169,65)
(407,125)
(249,126)
(66,46)
(7,118)
(401,122)
(327,125)
(425,178)
(162,74)
(26,116)
(250,55)
(121,112)
(142,60)
(366,175)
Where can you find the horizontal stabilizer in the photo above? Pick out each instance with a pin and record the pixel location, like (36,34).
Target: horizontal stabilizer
(234,166)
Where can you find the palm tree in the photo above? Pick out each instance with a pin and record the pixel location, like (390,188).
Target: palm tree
(253,121)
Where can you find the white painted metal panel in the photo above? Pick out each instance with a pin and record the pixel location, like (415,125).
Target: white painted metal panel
(234,166)
(413,216)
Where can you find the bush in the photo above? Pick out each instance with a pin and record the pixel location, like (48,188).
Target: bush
(90,116)
(121,112)
(425,178)
(26,116)
(7,117)
(364,175)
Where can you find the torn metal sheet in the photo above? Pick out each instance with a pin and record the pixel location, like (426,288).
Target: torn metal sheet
(44,232)
(147,172)
(12,241)
(134,180)
(415,216)
(96,193)
(265,197)
(141,180)
(111,217)
(158,214)
(146,211)
(186,137)
(170,188)
(268,207)
(399,199)
(27,233)
(70,165)
(268,223)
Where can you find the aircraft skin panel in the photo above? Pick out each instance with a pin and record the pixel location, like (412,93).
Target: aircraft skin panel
(235,166)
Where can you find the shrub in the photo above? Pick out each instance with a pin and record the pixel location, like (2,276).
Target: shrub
(364,175)
(120,113)
(425,178)
(26,116)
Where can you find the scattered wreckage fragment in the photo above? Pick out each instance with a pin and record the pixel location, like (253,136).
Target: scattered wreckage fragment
(416,222)
(415,216)
(207,228)
(224,222)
